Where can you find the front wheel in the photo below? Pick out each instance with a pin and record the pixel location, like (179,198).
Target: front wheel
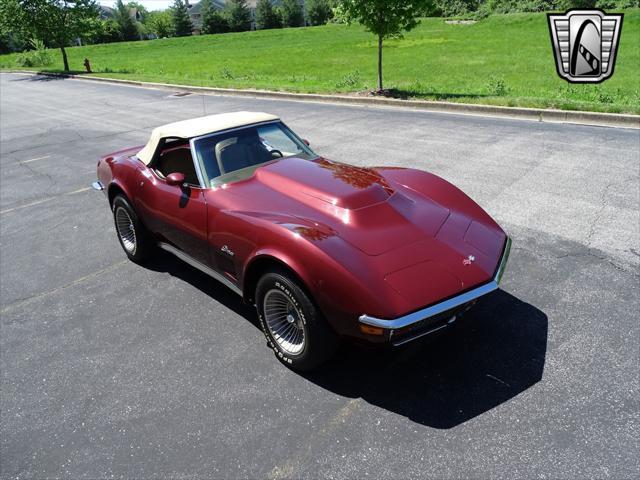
(295,329)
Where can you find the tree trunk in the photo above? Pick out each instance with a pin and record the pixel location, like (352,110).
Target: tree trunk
(379,63)
(64,59)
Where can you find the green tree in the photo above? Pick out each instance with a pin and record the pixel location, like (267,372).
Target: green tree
(452,8)
(160,23)
(319,12)
(567,4)
(126,23)
(13,35)
(57,23)
(94,32)
(385,19)
(109,32)
(141,9)
(181,22)
(266,16)
(292,15)
(212,20)
(215,22)
(238,15)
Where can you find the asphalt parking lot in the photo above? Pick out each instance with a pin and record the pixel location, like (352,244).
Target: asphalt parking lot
(110,369)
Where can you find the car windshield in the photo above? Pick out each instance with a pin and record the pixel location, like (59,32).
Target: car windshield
(233,156)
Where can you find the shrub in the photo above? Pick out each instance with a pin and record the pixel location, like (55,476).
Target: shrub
(338,15)
(497,86)
(214,22)
(601,96)
(483,8)
(512,6)
(160,23)
(318,12)
(226,74)
(292,15)
(453,8)
(37,57)
(108,32)
(266,16)
(350,80)
(238,15)
(567,4)
(617,4)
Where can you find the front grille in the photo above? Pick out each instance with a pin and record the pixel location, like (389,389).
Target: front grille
(426,326)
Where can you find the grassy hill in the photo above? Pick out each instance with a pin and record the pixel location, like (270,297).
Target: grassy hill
(504,60)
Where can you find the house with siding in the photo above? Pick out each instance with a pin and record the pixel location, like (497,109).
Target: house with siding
(195,13)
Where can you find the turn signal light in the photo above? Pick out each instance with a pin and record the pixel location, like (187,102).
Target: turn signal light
(371,330)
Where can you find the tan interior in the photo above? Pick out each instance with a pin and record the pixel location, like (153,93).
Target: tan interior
(178,160)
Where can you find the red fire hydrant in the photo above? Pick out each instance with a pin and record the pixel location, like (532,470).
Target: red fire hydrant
(87,65)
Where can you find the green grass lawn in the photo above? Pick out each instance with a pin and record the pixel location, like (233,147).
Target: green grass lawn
(466,63)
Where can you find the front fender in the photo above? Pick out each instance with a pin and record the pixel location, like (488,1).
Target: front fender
(334,273)
(437,189)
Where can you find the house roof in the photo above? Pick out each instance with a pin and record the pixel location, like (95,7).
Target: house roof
(196,127)
(197,7)
(105,12)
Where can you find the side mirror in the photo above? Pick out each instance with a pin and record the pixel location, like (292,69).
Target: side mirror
(175,178)
(306,142)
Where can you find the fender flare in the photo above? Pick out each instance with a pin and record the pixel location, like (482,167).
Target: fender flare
(274,256)
(114,186)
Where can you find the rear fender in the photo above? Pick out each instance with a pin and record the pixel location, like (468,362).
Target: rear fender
(115,188)
(119,175)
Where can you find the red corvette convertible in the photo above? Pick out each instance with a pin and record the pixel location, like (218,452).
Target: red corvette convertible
(324,250)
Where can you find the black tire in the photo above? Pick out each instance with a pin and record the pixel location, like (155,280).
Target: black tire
(136,242)
(319,340)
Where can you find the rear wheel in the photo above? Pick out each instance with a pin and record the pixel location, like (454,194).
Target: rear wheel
(133,237)
(295,329)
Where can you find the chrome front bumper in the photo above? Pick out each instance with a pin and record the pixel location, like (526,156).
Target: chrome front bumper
(439,308)
(97,185)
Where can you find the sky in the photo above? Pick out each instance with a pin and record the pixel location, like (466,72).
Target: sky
(149,4)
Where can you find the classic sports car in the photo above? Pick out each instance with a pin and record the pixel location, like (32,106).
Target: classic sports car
(324,250)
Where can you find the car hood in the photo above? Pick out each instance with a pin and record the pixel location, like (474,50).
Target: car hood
(411,238)
(356,203)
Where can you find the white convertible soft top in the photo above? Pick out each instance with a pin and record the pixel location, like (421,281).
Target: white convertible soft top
(200,126)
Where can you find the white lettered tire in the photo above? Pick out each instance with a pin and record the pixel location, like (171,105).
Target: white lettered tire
(295,328)
(132,235)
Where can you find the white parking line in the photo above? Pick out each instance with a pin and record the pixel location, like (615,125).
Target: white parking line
(35,159)
(73,283)
(44,200)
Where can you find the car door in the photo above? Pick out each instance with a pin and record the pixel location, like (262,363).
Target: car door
(176,214)
(232,235)
(227,159)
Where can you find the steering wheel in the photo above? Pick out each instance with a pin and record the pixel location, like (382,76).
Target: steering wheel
(276,151)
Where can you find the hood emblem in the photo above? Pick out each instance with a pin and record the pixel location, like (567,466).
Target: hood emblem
(469,260)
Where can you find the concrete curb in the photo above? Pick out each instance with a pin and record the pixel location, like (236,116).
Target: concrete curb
(535,114)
